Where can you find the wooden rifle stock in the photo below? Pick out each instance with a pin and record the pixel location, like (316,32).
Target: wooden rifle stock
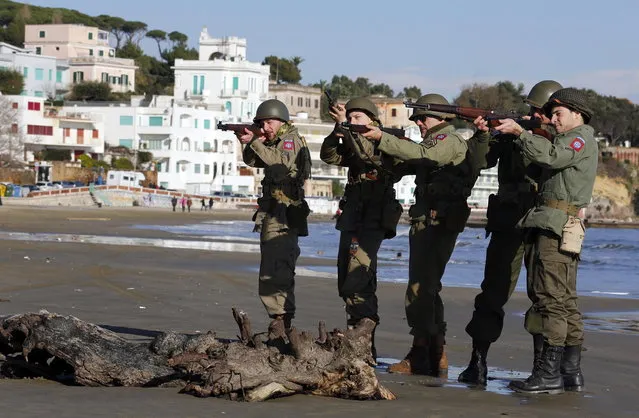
(360,129)
(491,116)
(239,127)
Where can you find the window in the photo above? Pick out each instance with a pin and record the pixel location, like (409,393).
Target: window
(66,132)
(207,146)
(308,102)
(78,76)
(128,143)
(201,85)
(33,105)
(207,168)
(316,103)
(195,123)
(50,75)
(90,52)
(104,77)
(39,130)
(236,83)
(394,112)
(194,90)
(291,100)
(42,34)
(58,76)
(196,168)
(101,53)
(125,80)
(126,120)
(39,74)
(96,134)
(80,135)
(14,105)
(155,120)
(25,72)
(207,124)
(38,93)
(38,50)
(90,35)
(300,101)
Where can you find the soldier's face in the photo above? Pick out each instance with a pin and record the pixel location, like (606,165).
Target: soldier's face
(426,122)
(358,118)
(538,113)
(271,127)
(565,119)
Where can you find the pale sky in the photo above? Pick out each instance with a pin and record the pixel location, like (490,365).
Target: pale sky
(437,45)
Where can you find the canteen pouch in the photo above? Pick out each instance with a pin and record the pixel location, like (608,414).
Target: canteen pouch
(572,236)
(391,214)
(297,215)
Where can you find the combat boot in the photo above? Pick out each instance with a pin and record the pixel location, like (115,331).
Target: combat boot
(546,375)
(477,371)
(538,348)
(438,358)
(416,361)
(571,369)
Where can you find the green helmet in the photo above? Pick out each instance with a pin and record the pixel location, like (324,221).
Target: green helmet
(271,109)
(541,92)
(365,105)
(431,99)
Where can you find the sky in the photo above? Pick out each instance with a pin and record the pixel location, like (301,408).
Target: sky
(439,46)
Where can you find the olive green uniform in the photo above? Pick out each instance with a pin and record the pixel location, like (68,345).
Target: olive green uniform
(445,172)
(369,215)
(281,215)
(505,252)
(569,166)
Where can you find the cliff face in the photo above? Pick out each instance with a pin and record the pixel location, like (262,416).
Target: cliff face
(611,199)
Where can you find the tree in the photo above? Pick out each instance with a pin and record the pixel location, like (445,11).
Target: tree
(503,96)
(158,36)
(130,50)
(284,70)
(412,92)
(122,164)
(11,82)
(114,25)
(134,31)
(178,39)
(11,138)
(91,91)
(382,89)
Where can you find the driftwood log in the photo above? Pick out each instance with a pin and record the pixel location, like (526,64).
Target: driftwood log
(256,367)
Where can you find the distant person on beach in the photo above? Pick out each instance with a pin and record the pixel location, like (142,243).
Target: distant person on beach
(368,212)
(203,208)
(183,203)
(516,195)
(282,213)
(210,203)
(189,203)
(556,233)
(174,202)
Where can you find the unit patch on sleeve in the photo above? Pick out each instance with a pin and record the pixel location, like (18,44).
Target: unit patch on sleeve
(577,144)
(441,137)
(289,145)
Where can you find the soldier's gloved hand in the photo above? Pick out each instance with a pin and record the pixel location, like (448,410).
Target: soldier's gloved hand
(373,133)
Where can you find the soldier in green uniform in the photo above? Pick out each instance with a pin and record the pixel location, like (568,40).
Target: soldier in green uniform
(445,174)
(370,212)
(516,195)
(556,233)
(282,210)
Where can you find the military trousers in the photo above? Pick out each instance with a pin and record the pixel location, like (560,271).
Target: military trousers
(504,257)
(279,252)
(552,289)
(357,273)
(430,249)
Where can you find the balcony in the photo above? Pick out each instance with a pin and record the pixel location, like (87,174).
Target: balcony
(91,60)
(230,93)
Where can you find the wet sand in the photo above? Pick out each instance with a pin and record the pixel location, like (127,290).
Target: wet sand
(138,291)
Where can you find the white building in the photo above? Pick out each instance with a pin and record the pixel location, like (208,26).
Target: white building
(222,78)
(44,76)
(189,153)
(40,127)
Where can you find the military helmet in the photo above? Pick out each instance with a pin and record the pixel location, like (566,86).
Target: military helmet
(365,105)
(271,109)
(541,92)
(431,99)
(573,99)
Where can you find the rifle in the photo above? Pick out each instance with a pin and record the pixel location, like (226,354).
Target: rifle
(360,129)
(491,116)
(239,127)
(331,101)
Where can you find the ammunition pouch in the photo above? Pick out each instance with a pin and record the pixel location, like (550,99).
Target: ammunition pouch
(572,236)
(391,214)
(451,214)
(297,215)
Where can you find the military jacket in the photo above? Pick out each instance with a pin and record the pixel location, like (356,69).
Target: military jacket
(569,166)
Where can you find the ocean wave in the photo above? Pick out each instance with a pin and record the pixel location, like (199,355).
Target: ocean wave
(611,246)
(600,292)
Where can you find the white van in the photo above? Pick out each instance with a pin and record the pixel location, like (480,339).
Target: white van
(124,178)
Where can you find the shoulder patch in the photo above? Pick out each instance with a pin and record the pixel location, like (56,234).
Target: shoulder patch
(441,137)
(289,145)
(577,144)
